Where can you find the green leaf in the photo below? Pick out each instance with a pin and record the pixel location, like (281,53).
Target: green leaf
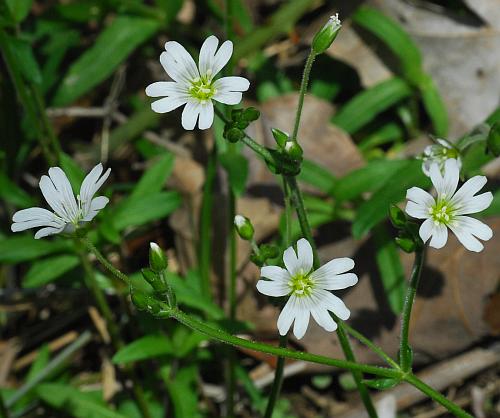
(135,212)
(46,271)
(387,133)
(434,105)
(317,176)
(13,194)
(19,8)
(395,38)
(153,180)
(237,169)
(96,64)
(79,404)
(390,268)
(25,248)
(73,171)
(365,106)
(392,191)
(182,391)
(24,59)
(144,348)
(39,364)
(367,179)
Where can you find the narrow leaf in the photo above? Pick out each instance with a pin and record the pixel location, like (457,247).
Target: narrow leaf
(46,271)
(147,347)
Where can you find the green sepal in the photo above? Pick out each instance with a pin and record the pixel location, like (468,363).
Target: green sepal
(397,216)
(280,137)
(493,141)
(251,114)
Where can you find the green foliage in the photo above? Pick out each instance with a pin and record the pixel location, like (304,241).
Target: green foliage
(237,169)
(154,178)
(147,347)
(19,9)
(49,269)
(73,171)
(24,248)
(113,46)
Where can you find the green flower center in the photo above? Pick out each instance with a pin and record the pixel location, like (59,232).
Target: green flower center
(301,285)
(441,212)
(202,88)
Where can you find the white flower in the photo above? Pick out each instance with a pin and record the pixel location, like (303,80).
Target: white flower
(438,153)
(447,210)
(308,289)
(69,212)
(195,86)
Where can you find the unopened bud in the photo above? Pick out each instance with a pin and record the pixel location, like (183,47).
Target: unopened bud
(406,244)
(280,137)
(493,140)
(397,216)
(157,258)
(293,149)
(326,35)
(155,280)
(144,302)
(234,135)
(250,114)
(244,227)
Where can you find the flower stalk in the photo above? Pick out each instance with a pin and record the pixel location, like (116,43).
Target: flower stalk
(405,353)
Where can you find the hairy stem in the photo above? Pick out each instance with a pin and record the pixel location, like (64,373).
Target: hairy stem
(302,93)
(278,380)
(405,354)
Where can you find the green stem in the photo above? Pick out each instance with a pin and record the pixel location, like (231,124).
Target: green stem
(358,376)
(375,348)
(114,332)
(225,337)
(302,92)
(405,354)
(278,380)
(435,395)
(288,213)
(4,412)
(205,243)
(113,270)
(52,365)
(298,204)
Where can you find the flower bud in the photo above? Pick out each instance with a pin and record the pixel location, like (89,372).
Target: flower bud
(280,137)
(250,114)
(397,216)
(293,149)
(157,258)
(493,140)
(244,227)
(326,35)
(155,280)
(406,244)
(234,135)
(144,302)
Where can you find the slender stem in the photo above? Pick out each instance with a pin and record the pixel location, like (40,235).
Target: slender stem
(435,395)
(225,337)
(302,92)
(114,332)
(113,270)
(298,204)
(52,365)
(205,243)
(375,348)
(404,349)
(288,213)
(358,376)
(278,380)
(4,412)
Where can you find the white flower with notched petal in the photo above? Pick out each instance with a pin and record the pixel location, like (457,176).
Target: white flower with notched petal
(447,210)
(308,289)
(69,213)
(438,153)
(195,86)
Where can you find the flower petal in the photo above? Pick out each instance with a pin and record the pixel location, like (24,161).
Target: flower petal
(53,197)
(185,62)
(190,115)
(273,288)
(417,210)
(420,196)
(222,57)
(305,255)
(275,273)
(206,115)
(48,231)
(341,281)
(301,318)
(328,276)
(166,88)
(426,229)
(63,186)
(30,214)
(287,315)
(228,84)
(439,236)
(333,303)
(96,205)
(474,204)
(466,229)
(323,318)
(229,98)
(207,54)
(167,104)
(447,184)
